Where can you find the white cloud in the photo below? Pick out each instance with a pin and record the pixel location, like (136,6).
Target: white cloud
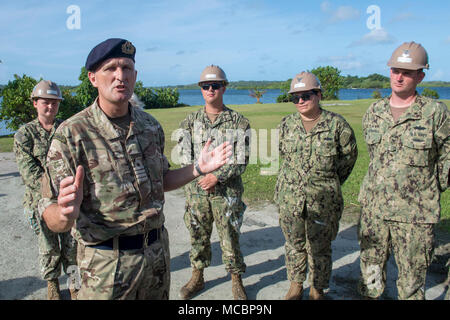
(374,37)
(342,13)
(325,6)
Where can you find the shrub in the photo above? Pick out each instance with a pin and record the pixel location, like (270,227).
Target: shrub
(16,107)
(427,92)
(376,94)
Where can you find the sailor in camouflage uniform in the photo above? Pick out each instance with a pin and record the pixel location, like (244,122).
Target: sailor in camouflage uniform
(31,143)
(318,151)
(215,197)
(408,138)
(106,176)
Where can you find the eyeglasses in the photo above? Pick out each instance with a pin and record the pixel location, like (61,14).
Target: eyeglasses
(304,96)
(215,86)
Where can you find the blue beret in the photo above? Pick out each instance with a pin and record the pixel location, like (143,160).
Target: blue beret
(111,48)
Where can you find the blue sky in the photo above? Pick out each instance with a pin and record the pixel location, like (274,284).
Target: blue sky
(249,39)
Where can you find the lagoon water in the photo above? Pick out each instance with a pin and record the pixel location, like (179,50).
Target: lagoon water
(233,96)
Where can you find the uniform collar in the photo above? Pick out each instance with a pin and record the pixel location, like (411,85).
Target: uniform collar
(413,112)
(321,126)
(224,116)
(107,128)
(44,132)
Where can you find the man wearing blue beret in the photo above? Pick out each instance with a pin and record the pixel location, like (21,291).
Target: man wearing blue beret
(105,180)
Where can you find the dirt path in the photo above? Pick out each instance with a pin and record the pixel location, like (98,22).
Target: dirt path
(261,241)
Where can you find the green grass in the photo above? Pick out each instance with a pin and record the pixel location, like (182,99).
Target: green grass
(6,143)
(259,188)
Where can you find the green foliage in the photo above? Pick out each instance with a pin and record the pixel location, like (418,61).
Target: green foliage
(16,107)
(167,97)
(158,97)
(330,80)
(284,87)
(434,84)
(257,93)
(373,81)
(376,94)
(69,106)
(146,95)
(427,92)
(85,92)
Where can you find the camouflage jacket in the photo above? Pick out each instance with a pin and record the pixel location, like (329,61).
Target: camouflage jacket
(409,161)
(31,143)
(229,126)
(124,172)
(315,164)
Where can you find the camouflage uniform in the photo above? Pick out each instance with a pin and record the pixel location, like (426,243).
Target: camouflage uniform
(123,196)
(224,204)
(31,143)
(308,191)
(408,169)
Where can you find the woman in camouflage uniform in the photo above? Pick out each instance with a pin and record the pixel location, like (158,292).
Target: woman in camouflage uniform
(318,152)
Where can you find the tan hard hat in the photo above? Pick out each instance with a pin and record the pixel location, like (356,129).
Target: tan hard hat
(213,73)
(410,56)
(46,89)
(305,81)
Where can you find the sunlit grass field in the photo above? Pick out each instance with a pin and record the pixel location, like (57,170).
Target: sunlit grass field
(259,188)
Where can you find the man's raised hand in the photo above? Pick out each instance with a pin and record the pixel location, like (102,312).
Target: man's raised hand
(212,160)
(71,195)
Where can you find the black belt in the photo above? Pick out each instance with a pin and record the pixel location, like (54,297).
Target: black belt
(130,242)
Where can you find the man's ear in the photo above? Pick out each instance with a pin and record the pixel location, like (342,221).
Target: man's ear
(421,76)
(92,79)
(319,94)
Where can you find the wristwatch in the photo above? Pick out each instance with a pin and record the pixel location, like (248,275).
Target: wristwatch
(197,167)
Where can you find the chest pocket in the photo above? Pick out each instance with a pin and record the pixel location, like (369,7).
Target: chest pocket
(326,154)
(100,171)
(416,148)
(153,158)
(289,146)
(40,152)
(372,137)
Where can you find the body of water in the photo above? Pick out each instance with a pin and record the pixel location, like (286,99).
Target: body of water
(194,97)
(232,96)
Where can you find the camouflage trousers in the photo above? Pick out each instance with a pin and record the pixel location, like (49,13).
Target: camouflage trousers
(56,251)
(200,214)
(140,274)
(32,216)
(412,245)
(308,244)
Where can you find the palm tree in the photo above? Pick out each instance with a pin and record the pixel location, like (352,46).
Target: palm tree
(255,93)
